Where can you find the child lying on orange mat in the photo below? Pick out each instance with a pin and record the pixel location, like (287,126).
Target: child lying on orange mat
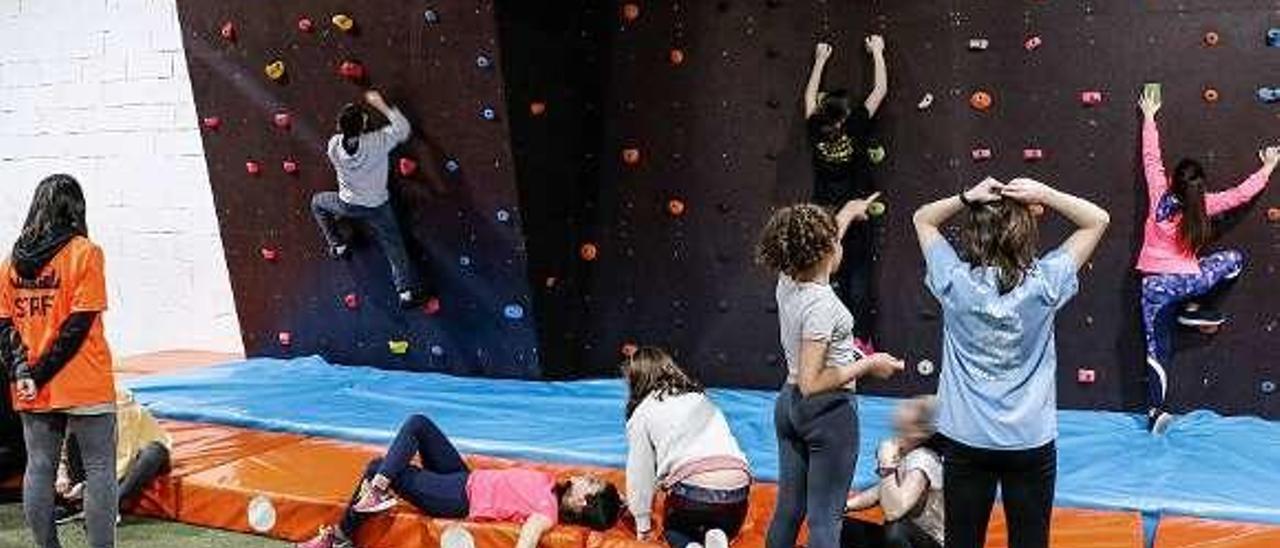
(444,487)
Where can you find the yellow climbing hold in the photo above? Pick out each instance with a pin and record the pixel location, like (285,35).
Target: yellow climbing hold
(344,22)
(398,347)
(275,70)
(876,209)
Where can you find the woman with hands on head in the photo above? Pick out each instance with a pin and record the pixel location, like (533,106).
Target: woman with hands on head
(997,399)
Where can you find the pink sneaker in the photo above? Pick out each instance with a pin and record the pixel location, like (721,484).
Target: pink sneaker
(327,538)
(373,501)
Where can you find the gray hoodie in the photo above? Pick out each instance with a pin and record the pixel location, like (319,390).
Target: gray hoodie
(362,177)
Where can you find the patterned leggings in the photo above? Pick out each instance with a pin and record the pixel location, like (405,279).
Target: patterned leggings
(1161,295)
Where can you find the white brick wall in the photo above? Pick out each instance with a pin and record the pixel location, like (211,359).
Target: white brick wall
(99,89)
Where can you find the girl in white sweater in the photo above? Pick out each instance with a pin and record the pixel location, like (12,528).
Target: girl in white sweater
(679,442)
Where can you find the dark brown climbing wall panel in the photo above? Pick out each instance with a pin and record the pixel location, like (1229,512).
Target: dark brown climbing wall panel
(458,208)
(707,93)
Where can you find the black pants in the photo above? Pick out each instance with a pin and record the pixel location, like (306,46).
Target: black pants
(146,465)
(853,279)
(1026,480)
(691,511)
(894,534)
(817,452)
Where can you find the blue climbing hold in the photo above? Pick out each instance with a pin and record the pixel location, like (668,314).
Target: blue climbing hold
(431,16)
(464,260)
(503,215)
(437,350)
(1268,95)
(488,113)
(483,61)
(1273,37)
(513,311)
(452,166)
(1268,387)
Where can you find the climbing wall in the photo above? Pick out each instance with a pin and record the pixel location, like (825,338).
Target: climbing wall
(269,79)
(688,131)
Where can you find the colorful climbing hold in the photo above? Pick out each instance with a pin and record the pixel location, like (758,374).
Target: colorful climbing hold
(437,350)
(876,154)
(1267,387)
(406,166)
(431,17)
(588,252)
(274,70)
(502,215)
(925,368)
(351,70)
(1032,154)
(513,312)
(269,254)
(981,100)
(285,338)
(978,44)
(1086,376)
(351,301)
(630,12)
(211,123)
(1268,95)
(344,22)
(1152,89)
(1273,214)
(1032,43)
(876,209)
(1273,37)
(676,56)
(464,260)
(432,306)
(1210,95)
(631,156)
(489,114)
(228,31)
(926,101)
(1211,38)
(398,347)
(980,154)
(452,166)
(305,24)
(537,108)
(1091,98)
(282,120)
(628,349)
(252,167)
(483,61)
(289,166)
(675,207)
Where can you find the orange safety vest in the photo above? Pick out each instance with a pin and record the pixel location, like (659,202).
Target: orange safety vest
(72,282)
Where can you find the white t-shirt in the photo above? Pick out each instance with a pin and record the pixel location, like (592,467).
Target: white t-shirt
(930,518)
(362,177)
(809,311)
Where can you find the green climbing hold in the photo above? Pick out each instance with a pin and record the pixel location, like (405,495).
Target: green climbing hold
(876,154)
(876,209)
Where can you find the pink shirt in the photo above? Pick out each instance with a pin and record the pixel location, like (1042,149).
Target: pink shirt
(512,495)
(1162,252)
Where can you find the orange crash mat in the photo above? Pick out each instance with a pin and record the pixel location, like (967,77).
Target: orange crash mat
(287,485)
(1188,532)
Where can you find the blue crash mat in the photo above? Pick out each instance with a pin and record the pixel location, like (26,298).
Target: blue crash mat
(1206,465)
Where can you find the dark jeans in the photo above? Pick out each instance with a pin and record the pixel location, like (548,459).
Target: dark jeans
(96,438)
(817,452)
(328,209)
(146,466)
(438,488)
(691,511)
(903,533)
(1026,480)
(853,279)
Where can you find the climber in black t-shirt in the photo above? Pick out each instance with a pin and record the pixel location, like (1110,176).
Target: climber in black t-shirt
(839,133)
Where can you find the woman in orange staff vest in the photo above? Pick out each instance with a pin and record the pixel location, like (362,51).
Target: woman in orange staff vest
(52,295)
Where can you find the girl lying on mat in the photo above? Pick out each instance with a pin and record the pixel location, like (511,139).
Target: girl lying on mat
(679,441)
(443,487)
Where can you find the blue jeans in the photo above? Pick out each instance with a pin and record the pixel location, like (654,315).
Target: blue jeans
(328,208)
(817,453)
(438,488)
(1161,295)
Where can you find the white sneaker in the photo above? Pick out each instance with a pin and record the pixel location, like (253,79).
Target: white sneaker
(717,539)
(693,545)
(457,536)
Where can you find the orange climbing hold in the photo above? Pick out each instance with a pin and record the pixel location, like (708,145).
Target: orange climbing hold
(1210,95)
(676,56)
(981,100)
(537,108)
(1211,38)
(675,207)
(630,11)
(588,251)
(1273,214)
(631,156)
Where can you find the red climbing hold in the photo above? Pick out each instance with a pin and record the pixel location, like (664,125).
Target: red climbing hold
(981,100)
(211,123)
(351,70)
(228,31)
(305,24)
(1032,154)
(406,167)
(285,338)
(675,207)
(628,349)
(631,156)
(676,56)
(1032,43)
(537,108)
(289,166)
(1086,376)
(980,154)
(432,306)
(352,301)
(1210,95)
(282,120)
(1091,98)
(588,252)
(1211,38)
(630,12)
(252,168)
(269,254)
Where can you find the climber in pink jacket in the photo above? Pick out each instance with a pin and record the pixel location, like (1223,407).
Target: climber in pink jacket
(1177,228)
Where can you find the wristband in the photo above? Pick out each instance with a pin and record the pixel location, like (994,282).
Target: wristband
(965,201)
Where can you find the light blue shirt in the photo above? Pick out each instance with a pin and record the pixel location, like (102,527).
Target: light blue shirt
(997,388)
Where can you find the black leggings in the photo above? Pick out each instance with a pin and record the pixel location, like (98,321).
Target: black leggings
(903,533)
(1026,479)
(691,511)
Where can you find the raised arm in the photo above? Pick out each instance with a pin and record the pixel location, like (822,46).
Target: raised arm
(1217,203)
(880,88)
(929,219)
(641,475)
(398,129)
(821,54)
(853,211)
(1152,162)
(1091,221)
